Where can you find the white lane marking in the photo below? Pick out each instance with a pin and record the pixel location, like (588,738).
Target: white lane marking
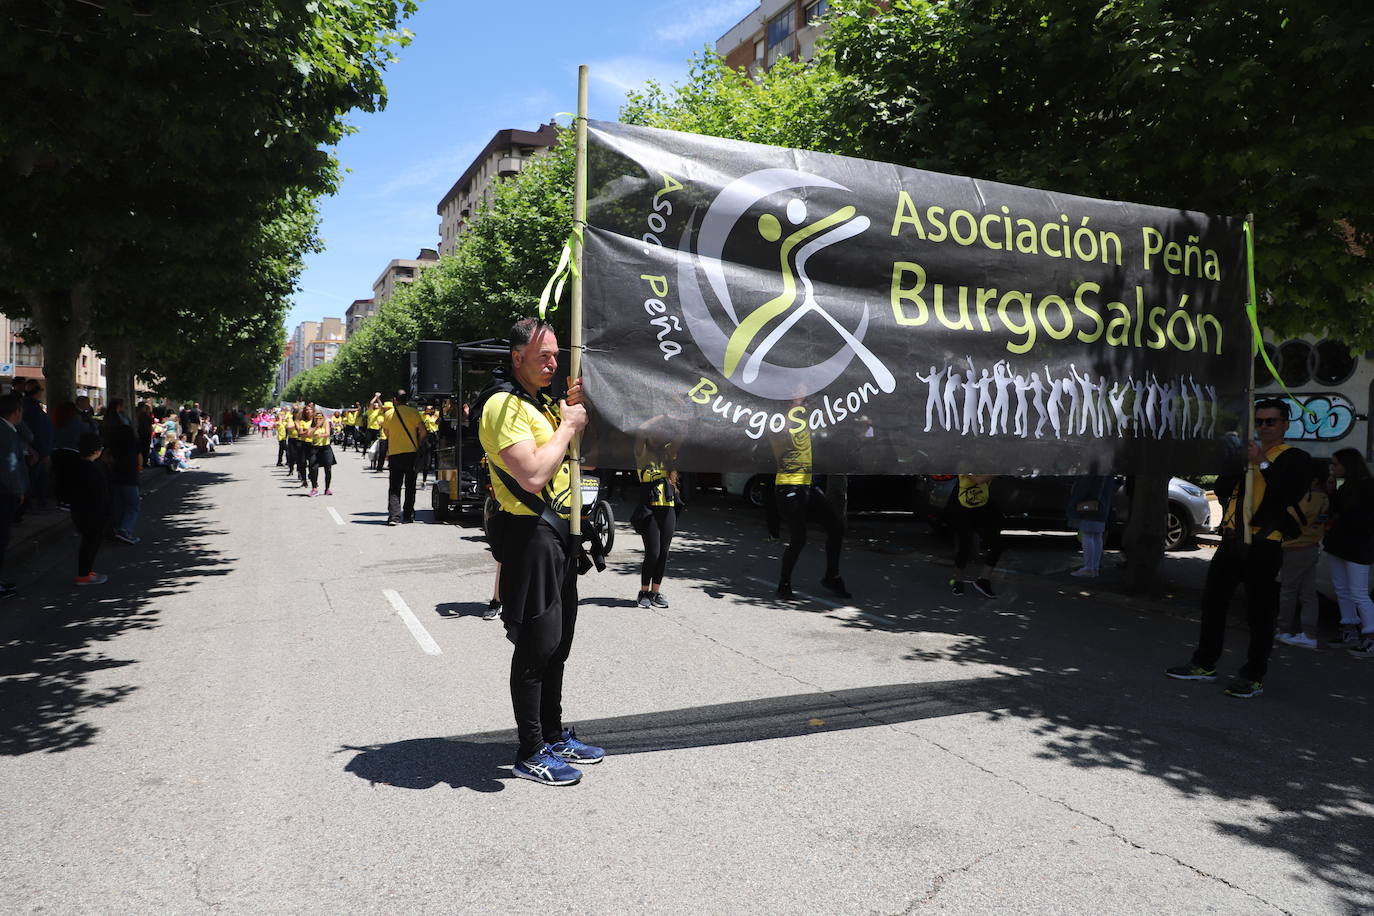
(338,519)
(412,623)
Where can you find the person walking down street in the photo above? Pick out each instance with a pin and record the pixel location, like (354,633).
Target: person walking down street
(1298,575)
(976,519)
(283,426)
(1280,475)
(655,518)
(1350,550)
(376,427)
(304,424)
(801,499)
(91,509)
(525,434)
(1090,506)
(321,456)
(14,476)
(125,458)
(404,430)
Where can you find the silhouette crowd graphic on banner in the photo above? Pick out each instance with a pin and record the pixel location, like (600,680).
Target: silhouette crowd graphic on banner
(998,402)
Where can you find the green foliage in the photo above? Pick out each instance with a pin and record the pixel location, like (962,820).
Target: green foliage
(160,160)
(1227,107)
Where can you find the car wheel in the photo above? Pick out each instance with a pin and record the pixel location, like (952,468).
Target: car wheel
(603,522)
(1178,531)
(753,491)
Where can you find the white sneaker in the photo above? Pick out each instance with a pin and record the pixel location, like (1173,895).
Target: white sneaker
(1301,640)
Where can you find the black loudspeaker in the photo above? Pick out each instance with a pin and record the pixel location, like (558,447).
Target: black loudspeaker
(434,374)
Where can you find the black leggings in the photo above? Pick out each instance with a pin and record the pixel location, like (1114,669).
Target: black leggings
(91,536)
(539,609)
(315,475)
(796,506)
(658,536)
(281,450)
(986,523)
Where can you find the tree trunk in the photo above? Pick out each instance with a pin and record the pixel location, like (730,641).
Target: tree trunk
(1145,533)
(119,371)
(62,319)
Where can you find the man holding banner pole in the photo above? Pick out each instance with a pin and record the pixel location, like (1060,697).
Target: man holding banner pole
(1276,479)
(526,435)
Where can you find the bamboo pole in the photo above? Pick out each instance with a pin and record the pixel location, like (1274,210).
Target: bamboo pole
(1250,470)
(575,345)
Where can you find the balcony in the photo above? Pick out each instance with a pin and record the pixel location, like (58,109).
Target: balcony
(507,166)
(785,48)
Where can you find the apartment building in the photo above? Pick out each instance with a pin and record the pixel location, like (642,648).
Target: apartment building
(401,271)
(357,313)
(505,155)
(19,359)
(313,343)
(775,29)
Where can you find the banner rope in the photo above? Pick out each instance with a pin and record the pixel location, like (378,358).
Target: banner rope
(1252,309)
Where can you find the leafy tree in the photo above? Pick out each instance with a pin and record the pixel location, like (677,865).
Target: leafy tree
(1224,107)
(139,130)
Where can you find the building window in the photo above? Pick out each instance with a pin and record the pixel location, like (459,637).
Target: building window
(758,49)
(27,354)
(816,10)
(779,27)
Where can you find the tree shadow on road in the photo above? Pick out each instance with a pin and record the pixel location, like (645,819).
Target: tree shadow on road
(49,644)
(473,761)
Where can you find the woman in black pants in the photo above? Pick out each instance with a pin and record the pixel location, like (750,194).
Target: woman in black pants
(656,517)
(91,507)
(972,513)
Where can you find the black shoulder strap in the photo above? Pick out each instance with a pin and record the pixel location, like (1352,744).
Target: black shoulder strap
(534,503)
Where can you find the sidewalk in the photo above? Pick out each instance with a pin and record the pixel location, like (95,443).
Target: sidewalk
(34,541)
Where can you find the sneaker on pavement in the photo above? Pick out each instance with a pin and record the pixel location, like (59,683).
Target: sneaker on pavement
(1301,640)
(1191,672)
(657,599)
(547,767)
(328,492)
(92,578)
(984,587)
(493,610)
(1242,688)
(785,591)
(643,600)
(836,585)
(569,748)
(1349,638)
(1364,649)
(314,492)
(1084,573)
(956,586)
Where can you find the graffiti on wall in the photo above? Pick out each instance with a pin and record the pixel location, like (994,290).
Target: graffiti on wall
(1321,417)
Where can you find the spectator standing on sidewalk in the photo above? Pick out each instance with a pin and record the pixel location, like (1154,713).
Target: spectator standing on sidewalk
(1280,474)
(1350,550)
(125,458)
(40,426)
(67,430)
(404,430)
(14,475)
(974,514)
(1298,577)
(1090,505)
(91,509)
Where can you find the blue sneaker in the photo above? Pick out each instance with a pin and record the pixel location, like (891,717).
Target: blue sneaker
(569,748)
(547,767)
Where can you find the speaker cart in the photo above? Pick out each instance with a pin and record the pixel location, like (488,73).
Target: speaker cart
(461,483)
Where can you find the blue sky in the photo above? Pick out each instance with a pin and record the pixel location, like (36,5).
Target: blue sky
(474,69)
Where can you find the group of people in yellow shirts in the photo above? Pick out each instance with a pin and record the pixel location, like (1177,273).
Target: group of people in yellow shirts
(304,437)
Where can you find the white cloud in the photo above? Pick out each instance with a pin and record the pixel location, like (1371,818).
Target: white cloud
(436,173)
(623,74)
(704,23)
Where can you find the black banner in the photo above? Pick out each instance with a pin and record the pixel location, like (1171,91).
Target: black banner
(745,301)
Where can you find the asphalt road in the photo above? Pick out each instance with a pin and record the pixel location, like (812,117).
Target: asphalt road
(244,721)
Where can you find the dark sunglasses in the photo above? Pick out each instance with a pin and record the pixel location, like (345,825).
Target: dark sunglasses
(1269,421)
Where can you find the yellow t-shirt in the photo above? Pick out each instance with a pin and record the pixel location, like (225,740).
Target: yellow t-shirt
(1236,505)
(508,419)
(293,429)
(351,418)
(973,494)
(794,458)
(283,424)
(431,421)
(319,435)
(374,417)
(653,471)
(398,427)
